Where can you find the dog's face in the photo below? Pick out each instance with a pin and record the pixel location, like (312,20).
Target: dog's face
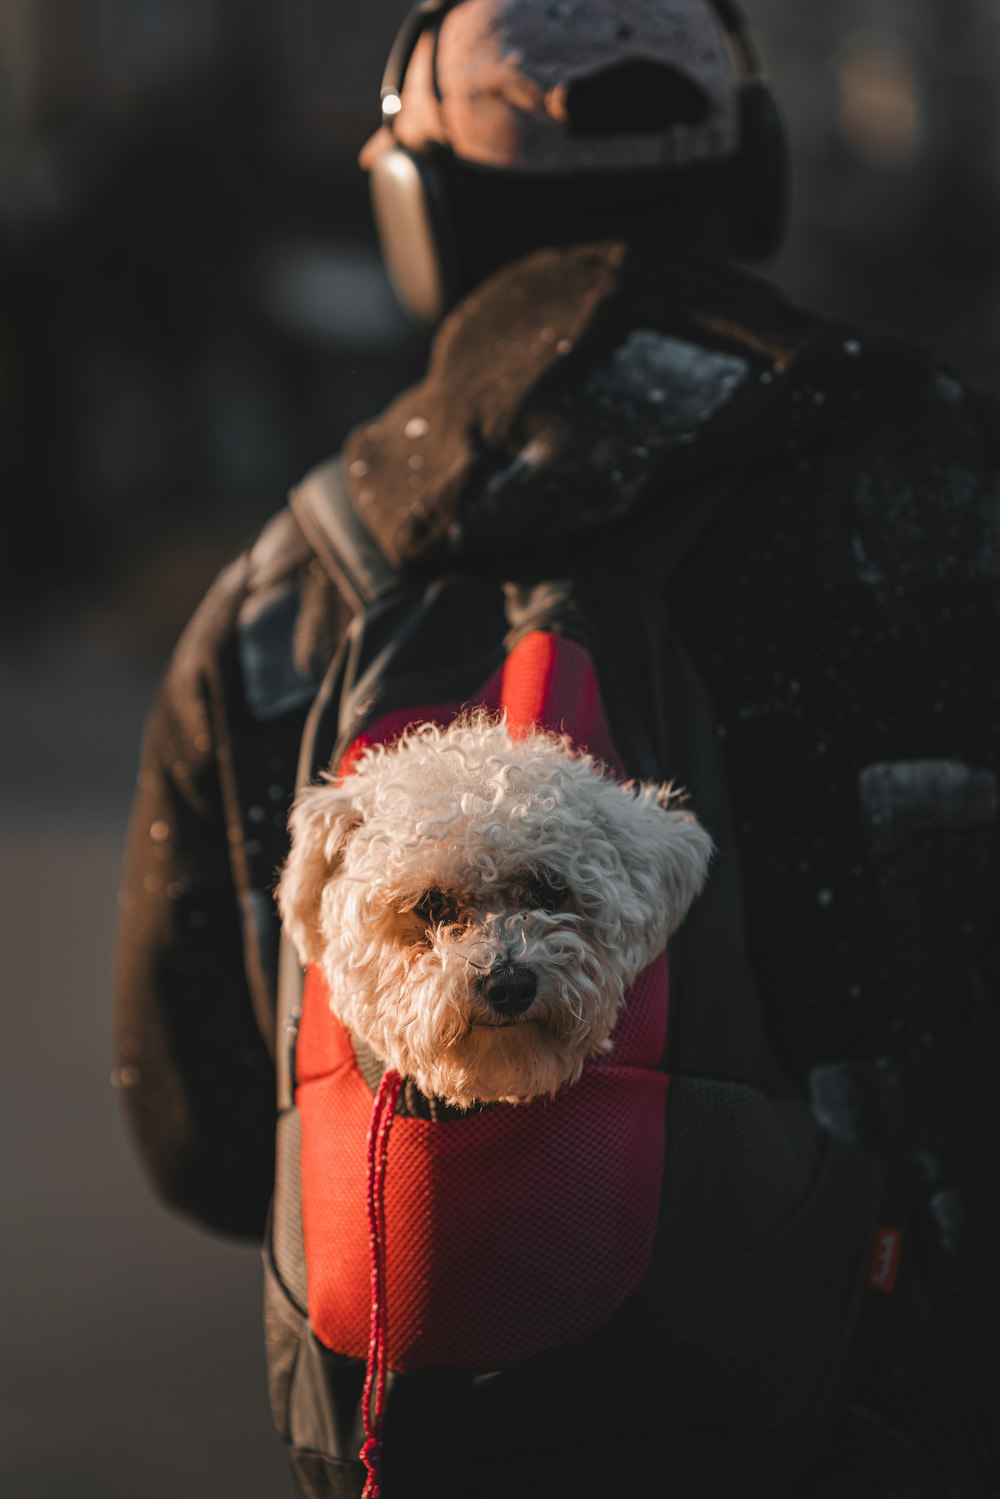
(479,904)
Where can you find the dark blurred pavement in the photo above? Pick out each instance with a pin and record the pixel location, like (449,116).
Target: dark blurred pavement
(132,1364)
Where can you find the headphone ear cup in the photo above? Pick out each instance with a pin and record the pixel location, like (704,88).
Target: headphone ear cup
(417,230)
(761,189)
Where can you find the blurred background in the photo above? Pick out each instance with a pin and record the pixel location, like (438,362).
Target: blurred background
(192,312)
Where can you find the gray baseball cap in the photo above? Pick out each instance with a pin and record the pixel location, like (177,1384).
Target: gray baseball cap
(550,86)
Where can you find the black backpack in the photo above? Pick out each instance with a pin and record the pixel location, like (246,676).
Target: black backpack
(773,1241)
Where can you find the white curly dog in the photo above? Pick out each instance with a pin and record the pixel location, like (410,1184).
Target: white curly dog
(480,903)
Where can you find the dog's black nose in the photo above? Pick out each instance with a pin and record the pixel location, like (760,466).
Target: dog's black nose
(509,990)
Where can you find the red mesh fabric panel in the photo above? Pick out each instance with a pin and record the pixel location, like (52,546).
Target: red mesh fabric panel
(512,1231)
(335,1104)
(641,1033)
(507,1232)
(550,681)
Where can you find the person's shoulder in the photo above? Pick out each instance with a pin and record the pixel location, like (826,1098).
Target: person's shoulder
(274,556)
(266,628)
(869,398)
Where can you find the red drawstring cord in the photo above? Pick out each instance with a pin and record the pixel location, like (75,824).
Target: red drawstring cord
(373,1399)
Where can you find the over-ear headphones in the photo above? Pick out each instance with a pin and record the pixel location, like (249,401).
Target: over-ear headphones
(413,196)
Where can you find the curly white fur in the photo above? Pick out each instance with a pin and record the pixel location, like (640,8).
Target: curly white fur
(478,818)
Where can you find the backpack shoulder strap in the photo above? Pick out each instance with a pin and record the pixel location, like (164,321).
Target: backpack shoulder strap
(322,505)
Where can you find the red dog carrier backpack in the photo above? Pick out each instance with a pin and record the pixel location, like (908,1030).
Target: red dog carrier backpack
(538,1297)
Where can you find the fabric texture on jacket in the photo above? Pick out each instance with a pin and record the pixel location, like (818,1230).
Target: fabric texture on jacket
(840,603)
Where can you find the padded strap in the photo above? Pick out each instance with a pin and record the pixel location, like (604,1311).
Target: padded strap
(323,507)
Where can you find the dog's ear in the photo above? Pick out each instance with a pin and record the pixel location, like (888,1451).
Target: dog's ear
(666,850)
(320,822)
(685,853)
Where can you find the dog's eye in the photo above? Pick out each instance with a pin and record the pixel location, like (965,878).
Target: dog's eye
(546,894)
(435,907)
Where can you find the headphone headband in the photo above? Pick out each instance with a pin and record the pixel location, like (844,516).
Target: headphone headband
(403,49)
(736,26)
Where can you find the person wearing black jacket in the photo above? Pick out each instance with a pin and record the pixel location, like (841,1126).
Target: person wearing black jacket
(603,366)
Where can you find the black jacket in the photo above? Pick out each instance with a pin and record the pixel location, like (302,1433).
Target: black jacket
(839,596)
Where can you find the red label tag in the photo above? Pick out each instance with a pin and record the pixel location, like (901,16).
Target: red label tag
(885,1260)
